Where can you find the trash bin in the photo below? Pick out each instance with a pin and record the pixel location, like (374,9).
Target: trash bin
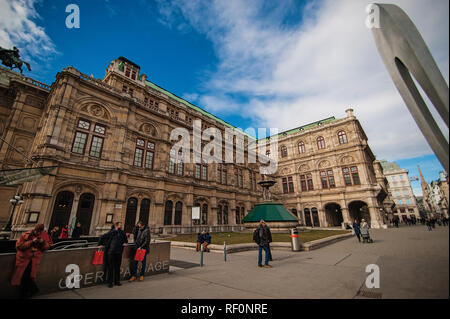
(295,243)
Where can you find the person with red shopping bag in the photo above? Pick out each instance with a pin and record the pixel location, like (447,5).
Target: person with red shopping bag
(140,250)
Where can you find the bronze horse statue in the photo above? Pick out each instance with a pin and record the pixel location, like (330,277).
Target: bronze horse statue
(11,59)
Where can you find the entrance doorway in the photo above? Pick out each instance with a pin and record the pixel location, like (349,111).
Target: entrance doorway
(62,209)
(144,211)
(84,212)
(308,217)
(333,214)
(315,216)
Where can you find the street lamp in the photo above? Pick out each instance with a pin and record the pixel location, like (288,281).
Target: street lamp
(16,200)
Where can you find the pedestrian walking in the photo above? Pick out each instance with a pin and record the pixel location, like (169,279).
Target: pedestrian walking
(113,242)
(54,234)
(30,249)
(356,229)
(142,236)
(428,223)
(64,232)
(364,228)
(262,236)
(77,231)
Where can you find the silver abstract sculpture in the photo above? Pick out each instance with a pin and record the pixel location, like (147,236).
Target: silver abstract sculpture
(405,53)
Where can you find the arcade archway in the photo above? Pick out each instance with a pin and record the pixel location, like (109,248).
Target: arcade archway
(359,210)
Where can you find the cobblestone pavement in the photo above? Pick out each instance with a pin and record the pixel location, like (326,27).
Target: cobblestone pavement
(413,263)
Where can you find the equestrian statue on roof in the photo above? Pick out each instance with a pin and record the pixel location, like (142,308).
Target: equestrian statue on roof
(11,59)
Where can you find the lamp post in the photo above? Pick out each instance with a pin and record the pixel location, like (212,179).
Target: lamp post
(16,200)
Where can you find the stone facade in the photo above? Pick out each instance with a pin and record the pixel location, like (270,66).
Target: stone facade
(110,141)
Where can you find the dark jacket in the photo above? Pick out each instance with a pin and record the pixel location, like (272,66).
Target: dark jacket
(356,228)
(142,240)
(76,233)
(208,238)
(262,235)
(113,241)
(200,238)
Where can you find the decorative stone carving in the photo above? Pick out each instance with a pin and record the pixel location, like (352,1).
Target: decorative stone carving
(347,160)
(303,168)
(324,164)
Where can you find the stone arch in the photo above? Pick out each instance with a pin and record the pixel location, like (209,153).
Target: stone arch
(358,210)
(333,214)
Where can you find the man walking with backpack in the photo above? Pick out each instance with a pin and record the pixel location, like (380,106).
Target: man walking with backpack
(263,237)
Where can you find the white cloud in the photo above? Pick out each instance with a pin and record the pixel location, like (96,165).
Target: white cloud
(18,28)
(296,75)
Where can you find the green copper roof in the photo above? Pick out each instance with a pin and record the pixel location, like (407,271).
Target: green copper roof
(270,212)
(307,126)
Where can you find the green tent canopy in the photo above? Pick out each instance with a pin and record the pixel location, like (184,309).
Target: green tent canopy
(270,212)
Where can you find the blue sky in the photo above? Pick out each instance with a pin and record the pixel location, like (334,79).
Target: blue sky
(256,63)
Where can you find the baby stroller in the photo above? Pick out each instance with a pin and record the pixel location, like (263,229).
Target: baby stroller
(366,236)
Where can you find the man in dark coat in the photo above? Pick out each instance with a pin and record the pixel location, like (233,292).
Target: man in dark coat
(262,236)
(77,231)
(357,230)
(142,236)
(113,242)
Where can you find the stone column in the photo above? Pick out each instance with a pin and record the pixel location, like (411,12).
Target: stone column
(322,218)
(346,215)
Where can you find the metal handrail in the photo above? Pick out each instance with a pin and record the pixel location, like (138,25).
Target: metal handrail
(62,244)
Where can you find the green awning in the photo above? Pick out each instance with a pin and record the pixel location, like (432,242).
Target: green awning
(23,175)
(270,212)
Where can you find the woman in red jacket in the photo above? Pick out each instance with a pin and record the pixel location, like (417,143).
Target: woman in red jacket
(64,232)
(30,249)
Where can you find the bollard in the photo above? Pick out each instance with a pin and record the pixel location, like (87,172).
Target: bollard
(201,255)
(224,251)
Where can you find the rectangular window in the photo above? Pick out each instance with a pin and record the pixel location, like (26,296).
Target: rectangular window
(85,125)
(180,168)
(197,171)
(172,166)
(96,146)
(355,175)
(99,129)
(310,182)
(324,180)
(149,160)
(291,185)
(219,173)
(79,142)
(303,183)
(205,172)
(138,156)
(285,186)
(347,179)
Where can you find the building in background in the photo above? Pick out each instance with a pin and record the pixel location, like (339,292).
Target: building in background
(328,175)
(400,190)
(436,195)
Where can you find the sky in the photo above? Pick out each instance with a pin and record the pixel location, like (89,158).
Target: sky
(256,63)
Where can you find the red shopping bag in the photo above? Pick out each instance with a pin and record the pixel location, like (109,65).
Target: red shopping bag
(98,257)
(140,255)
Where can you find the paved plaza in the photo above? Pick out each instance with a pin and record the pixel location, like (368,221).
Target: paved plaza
(413,263)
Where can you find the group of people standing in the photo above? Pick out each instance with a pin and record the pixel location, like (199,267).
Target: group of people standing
(361,229)
(203,240)
(57,234)
(32,244)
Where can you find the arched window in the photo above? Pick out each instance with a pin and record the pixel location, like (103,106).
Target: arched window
(145,211)
(284,152)
(225,215)
(342,137)
(301,148)
(178,213)
(219,215)
(320,142)
(238,213)
(204,216)
(168,213)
